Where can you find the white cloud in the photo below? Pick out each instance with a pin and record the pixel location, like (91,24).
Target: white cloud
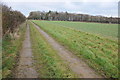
(105,7)
(60,0)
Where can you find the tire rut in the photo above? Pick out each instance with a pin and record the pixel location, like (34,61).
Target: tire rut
(77,65)
(25,68)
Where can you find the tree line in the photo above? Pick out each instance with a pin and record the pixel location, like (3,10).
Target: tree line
(10,19)
(65,16)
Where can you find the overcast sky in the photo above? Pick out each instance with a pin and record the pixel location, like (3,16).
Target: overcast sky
(92,7)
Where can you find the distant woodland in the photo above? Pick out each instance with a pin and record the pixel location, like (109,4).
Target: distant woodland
(65,16)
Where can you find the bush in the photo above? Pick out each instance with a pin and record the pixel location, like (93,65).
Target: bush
(10,19)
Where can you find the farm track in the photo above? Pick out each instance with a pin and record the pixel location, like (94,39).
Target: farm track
(76,65)
(25,68)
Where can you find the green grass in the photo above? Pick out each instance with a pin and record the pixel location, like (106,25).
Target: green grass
(48,63)
(10,51)
(104,30)
(99,53)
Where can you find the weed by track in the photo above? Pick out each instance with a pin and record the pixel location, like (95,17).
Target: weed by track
(10,51)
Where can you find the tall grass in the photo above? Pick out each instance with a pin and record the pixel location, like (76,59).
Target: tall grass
(99,53)
(10,51)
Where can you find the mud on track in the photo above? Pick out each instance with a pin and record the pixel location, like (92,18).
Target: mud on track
(25,68)
(77,65)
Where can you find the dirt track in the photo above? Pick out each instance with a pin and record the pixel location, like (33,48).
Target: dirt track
(25,68)
(77,65)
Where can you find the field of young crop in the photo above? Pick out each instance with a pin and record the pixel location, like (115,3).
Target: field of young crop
(47,62)
(104,30)
(100,53)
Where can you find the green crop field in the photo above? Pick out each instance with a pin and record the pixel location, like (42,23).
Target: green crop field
(88,41)
(104,30)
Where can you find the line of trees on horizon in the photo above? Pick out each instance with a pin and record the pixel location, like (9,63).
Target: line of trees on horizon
(10,19)
(65,16)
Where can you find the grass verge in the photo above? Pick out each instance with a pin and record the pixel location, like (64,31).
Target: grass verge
(10,51)
(100,53)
